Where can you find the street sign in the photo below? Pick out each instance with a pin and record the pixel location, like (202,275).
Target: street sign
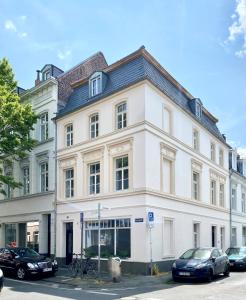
(151,219)
(139,220)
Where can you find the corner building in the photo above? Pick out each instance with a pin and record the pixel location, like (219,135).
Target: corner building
(133,140)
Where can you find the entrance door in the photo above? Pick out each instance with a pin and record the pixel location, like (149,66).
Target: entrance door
(214,236)
(69,242)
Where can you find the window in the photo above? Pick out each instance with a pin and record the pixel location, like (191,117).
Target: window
(95,85)
(121,173)
(243,203)
(222,238)
(44,177)
(44,131)
(167,176)
(47,75)
(167,120)
(234,199)
(198,109)
(221,158)
(196,185)
(26,181)
(214,236)
(115,237)
(94,178)
(212,151)
(244,236)
(121,115)
(94,126)
(195,139)
(8,188)
(69,135)
(213,192)
(222,195)
(196,235)
(69,183)
(234,236)
(168,238)
(10,235)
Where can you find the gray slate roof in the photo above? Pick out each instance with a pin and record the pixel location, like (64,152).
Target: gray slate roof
(128,74)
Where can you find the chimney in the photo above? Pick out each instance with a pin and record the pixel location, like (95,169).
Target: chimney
(37,81)
(224,136)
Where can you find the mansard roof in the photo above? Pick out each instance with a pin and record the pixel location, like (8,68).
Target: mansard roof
(136,67)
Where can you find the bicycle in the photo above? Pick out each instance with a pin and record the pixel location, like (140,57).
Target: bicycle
(75,266)
(89,267)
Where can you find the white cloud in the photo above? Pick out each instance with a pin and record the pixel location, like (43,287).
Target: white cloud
(63,54)
(9,25)
(22,35)
(238,27)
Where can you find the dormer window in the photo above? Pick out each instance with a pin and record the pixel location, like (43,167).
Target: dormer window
(196,107)
(96,83)
(198,110)
(46,75)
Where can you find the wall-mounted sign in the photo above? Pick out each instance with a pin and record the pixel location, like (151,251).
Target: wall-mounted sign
(139,220)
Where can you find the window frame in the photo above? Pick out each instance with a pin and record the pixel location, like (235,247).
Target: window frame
(221,193)
(45,175)
(172,238)
(196,140)
(196,234)
(26,180)
(94,175)
(44,127)
(70,180)
(213,151)
(69,134)
(122,114)
(95,90)
(213,192)
(198,185)
(221,157)
(122,169)
(94,124)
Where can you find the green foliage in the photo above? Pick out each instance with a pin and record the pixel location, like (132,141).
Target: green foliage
(16,122)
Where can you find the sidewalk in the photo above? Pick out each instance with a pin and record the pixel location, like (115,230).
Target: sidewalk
(127,281)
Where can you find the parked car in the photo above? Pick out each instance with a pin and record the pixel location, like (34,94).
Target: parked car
(1,280)
(201,263)
(237,257)
(24,262)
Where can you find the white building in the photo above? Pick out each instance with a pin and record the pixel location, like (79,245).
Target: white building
(133,140)
(238,199)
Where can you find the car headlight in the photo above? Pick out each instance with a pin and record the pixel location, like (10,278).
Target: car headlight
(54,262)
(32,266)
(200,266)
(174,265)
(1,273)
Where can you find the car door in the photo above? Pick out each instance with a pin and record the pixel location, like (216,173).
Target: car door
(8,262)
(217,262)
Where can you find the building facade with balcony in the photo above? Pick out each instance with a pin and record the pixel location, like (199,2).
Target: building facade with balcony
(133,140)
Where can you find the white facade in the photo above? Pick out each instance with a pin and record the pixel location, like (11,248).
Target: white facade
(158,142)
(35,201)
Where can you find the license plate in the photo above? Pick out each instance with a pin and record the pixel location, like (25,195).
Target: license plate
(47,270)
(184,273)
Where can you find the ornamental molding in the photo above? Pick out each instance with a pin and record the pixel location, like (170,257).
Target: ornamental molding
(196,165)
(120,147)
(93,155)
(168,151)
(217,176)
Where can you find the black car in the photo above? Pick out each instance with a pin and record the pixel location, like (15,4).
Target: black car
(24,262)
(237,257)
(201,263)
(1,280)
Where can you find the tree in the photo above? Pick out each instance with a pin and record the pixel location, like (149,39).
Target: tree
(16,122)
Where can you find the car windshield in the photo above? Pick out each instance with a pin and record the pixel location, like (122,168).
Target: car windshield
(236,251)
(25,252)
(196,254)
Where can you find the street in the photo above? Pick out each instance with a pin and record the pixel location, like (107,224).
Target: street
(230,288)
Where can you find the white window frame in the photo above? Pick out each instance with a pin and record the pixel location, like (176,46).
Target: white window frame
(196,194)
(69,183)
(221,157)
(96,176)
(222,237)
(69,135)
(222,194)
(234,198)
(198,110)
(121,170)
(243,202)
(44,126)
(196,142)
(26,180)
(94,125)
(44,175)
(212,151)
(121,116)
(234,231)
(196,235)
(172,240)
(213,192)
(95,85)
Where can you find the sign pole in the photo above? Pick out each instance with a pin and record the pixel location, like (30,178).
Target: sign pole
(151,256)
(82,242)
(99,240)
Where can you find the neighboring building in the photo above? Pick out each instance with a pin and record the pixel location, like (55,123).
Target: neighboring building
(27,215)
(238,199)
(133,140)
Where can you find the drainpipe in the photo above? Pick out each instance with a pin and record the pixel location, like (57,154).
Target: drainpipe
(230,174)
(55,203)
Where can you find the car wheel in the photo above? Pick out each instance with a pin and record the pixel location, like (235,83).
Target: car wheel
(210,276)
(227,271)
(21,273)
(175,279)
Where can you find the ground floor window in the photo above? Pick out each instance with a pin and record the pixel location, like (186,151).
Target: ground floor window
(214,236)
(115,237)
(222,238)
(196,235)
(244,237)
(168,237)
(32,235)
(233,236)
(10,235)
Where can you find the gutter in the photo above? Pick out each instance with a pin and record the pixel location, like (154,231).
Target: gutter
(55,200)
(230,219)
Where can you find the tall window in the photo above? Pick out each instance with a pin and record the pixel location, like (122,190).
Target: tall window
(8,188)
(69,183)
(222,194)
(198,110)
(95,86)
(244,236)
(221,158)
(121,173)
(69,135)
(213,192)
(121,115)
(212,151)
(214,236)
(195,139)
(196,185)
(44,177)
(234,199)
(26,180)
(94,126)
(168,238)
(234,236)
(243,203)
(196,235)
(167,176)
(167,120)
(44,129)
(222,238)
(94,178)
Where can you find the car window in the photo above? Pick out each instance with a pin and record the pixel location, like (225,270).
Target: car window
(215,253)
(196,254)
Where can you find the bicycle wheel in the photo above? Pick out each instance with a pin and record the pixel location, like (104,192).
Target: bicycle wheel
(72,269)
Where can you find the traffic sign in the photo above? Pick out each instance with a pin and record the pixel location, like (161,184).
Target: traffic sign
(151,218)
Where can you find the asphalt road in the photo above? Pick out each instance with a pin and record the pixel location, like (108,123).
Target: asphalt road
(232,288)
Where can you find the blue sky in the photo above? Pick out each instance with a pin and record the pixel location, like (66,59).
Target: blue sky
(202,43)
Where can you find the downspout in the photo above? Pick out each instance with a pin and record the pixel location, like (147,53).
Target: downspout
(230,174)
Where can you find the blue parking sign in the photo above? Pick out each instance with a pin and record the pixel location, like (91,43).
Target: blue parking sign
(150,216)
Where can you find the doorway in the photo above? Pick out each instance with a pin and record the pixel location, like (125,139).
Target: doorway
(69,242)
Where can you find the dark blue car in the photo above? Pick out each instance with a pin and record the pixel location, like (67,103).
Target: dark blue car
(237,257)
(201,263)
